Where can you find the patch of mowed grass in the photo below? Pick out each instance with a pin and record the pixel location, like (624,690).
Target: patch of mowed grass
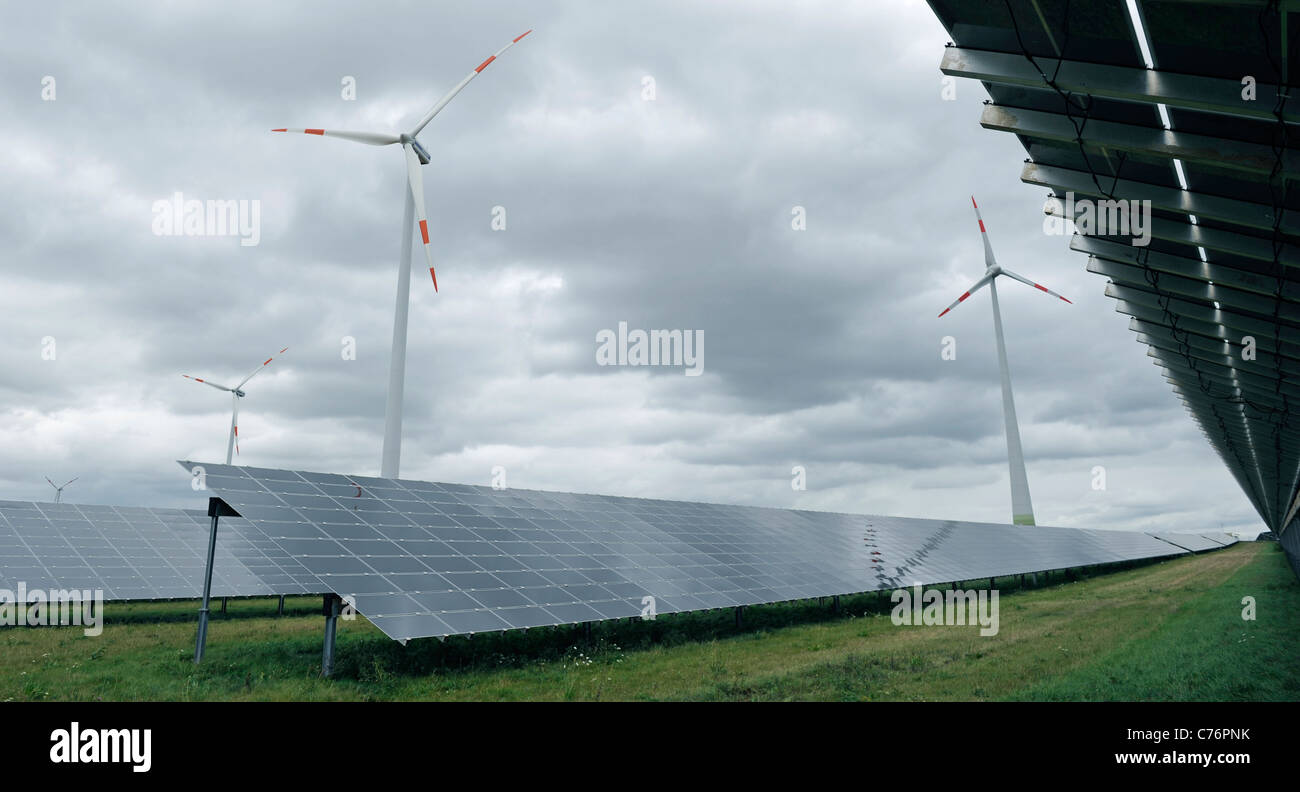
(146,650)
(1205,651)
(1051,641)
(797,651)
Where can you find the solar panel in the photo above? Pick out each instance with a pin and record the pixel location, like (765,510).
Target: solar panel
(1221,539)
(138,553)
(424,559)
(1189,541)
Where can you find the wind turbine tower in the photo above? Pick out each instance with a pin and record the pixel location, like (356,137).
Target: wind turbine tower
(1022,509)
(416,155)
(236,393)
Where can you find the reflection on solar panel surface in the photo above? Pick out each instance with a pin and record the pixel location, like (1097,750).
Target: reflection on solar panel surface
(424,559)
(1223,540)
(138,553)
(1189,541)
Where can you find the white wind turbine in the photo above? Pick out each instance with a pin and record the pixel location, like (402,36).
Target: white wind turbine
(236,393)
(58,491)
(416,155)
(1022,509)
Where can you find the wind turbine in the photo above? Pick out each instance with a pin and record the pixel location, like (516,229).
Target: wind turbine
(416,155)
(1022,509)
(236,393)
(58,491)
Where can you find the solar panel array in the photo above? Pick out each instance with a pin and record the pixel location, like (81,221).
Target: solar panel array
(423,559)
(133,553)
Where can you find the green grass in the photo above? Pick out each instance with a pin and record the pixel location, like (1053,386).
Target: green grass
(1204,651)
(1170,630)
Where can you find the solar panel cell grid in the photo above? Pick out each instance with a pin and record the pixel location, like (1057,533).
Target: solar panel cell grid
(139,553)
(424,559)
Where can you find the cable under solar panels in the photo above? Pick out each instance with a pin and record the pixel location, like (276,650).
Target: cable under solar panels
(138,553)
(423,559)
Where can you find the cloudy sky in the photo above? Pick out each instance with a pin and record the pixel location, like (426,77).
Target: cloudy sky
(649,159)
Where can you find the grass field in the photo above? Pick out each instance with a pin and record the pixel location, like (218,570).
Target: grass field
(1166,631)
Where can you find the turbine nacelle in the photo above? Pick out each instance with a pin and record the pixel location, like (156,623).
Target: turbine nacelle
(415,154)
(236,393)
(58,491)
(420,152)
(1022,507)
(992,269)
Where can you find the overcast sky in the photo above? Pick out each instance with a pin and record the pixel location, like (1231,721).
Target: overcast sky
(821,346)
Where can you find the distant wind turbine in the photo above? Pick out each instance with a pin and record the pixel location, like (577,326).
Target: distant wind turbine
(1022,509)
(416,155)
(236,393)
(58,491)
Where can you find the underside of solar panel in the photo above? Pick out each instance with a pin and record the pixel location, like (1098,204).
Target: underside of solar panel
(422,559)
(1178,114)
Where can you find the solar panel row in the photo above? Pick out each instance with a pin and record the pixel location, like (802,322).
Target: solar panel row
(139,553)
(425,559)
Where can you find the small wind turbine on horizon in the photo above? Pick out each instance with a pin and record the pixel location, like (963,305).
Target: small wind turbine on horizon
(58,491)
(416,155)
(1022,509)
(236,393)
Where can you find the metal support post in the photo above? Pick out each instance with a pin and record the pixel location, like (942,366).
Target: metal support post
(331,622)
(216,509)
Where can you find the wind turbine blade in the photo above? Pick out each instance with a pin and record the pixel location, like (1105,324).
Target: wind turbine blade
(74,478)
(979,284)
(234,424)
(369,138)
(1028,282)
(259,368)
(52,484)
(417,194)
(984,234)
(460,85)
(208,383)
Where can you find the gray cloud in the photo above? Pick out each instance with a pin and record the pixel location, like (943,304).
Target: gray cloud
(821,346)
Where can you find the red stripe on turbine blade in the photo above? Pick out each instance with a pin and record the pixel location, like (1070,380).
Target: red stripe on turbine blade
(963,297)
(268,360)
(424,231)
(521,35)
(1040,288)
(314,131)
(281,352)
(484,64)
(1066,300)
(279,130)
(972,202)
(945,310)
(982,231)
(434,275)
